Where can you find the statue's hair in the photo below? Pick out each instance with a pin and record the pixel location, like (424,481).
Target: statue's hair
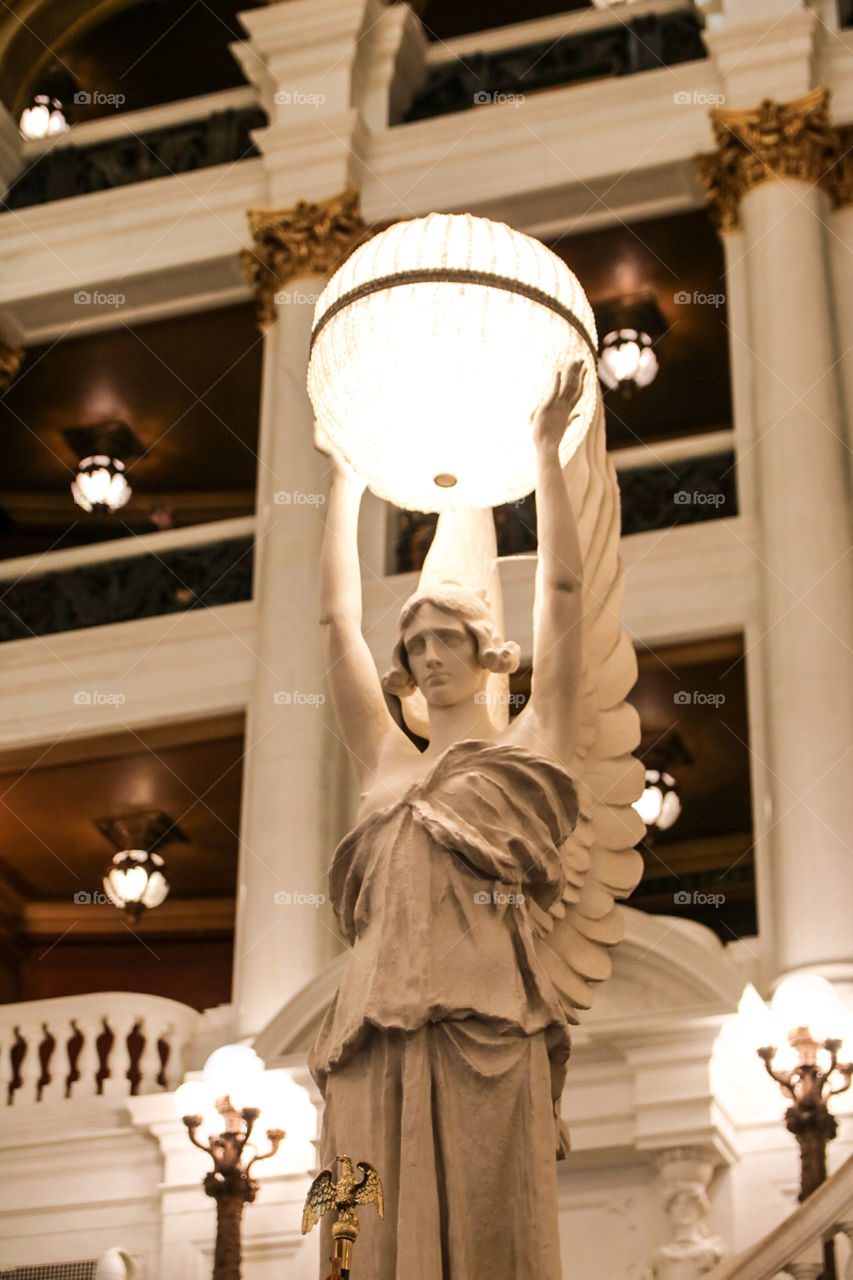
(469,606)
(695,1190)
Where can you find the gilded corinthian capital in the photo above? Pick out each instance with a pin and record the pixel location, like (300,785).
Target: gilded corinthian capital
(774,140)
(306,239)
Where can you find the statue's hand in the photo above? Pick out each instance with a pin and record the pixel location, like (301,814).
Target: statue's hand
(552,417)
(340,465)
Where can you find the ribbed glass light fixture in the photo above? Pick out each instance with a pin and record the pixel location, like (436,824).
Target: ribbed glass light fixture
(433,345)
(136,881)
(627,360)
(43,118)
(100,484)
(659,805)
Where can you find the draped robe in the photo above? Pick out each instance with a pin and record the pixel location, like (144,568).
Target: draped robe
(442,1057)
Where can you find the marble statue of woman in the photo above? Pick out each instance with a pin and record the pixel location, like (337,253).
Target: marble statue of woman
(477,888)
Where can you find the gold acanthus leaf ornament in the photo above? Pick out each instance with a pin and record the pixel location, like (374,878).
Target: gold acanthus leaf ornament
(305,240)
(773,140)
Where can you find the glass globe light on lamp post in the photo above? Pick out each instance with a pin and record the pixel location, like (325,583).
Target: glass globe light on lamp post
(807,1014)
(219,1120)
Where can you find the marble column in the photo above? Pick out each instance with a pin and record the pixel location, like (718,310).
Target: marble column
(840,226)
(765,178)
(292,776)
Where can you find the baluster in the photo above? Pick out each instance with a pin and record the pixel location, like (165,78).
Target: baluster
(88,1063)
(808,1264)
(54,1086)
(846,1228)
(29,1067)
(6,1042)
(117,1084)
(149,1060)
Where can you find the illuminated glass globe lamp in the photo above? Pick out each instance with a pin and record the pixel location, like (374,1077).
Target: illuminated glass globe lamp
(659,805)
(100,484)
(136,881)
(43,118)
(627,360)
(432,346)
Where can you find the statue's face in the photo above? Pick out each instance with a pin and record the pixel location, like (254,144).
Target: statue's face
(442,657)
(685,1209)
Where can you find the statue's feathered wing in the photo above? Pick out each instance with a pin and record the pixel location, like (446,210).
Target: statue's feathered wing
(599,857)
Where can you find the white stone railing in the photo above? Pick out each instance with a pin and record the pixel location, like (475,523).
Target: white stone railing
(109,1044)
(795,1247)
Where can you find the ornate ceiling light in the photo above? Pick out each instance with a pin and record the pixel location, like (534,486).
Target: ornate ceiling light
(660,804)
(135,881)
(43,118)
(100,485)
(631,327)
(432,346)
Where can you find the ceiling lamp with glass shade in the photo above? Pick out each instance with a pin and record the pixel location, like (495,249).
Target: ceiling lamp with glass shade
(631,326)
(100,485)
(432,346)
(135,880)
(44,117)
(660,804)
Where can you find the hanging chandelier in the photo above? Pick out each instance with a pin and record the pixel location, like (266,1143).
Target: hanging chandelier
(100,485)
(433,345)
(135,880)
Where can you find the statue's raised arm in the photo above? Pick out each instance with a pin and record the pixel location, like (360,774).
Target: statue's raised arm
(359,704)
(549,722)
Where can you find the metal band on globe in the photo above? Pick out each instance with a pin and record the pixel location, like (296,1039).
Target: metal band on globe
(453,275)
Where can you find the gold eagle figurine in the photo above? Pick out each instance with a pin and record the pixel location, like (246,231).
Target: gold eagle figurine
(344,1195)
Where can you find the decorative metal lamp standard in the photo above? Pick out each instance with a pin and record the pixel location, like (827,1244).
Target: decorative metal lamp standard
(439,323)
(807,1011)
(226,1108)
(135,881)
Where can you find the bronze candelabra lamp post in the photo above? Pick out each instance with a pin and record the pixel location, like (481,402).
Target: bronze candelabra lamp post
(232,1072)
(230,1181)
(815,1077)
